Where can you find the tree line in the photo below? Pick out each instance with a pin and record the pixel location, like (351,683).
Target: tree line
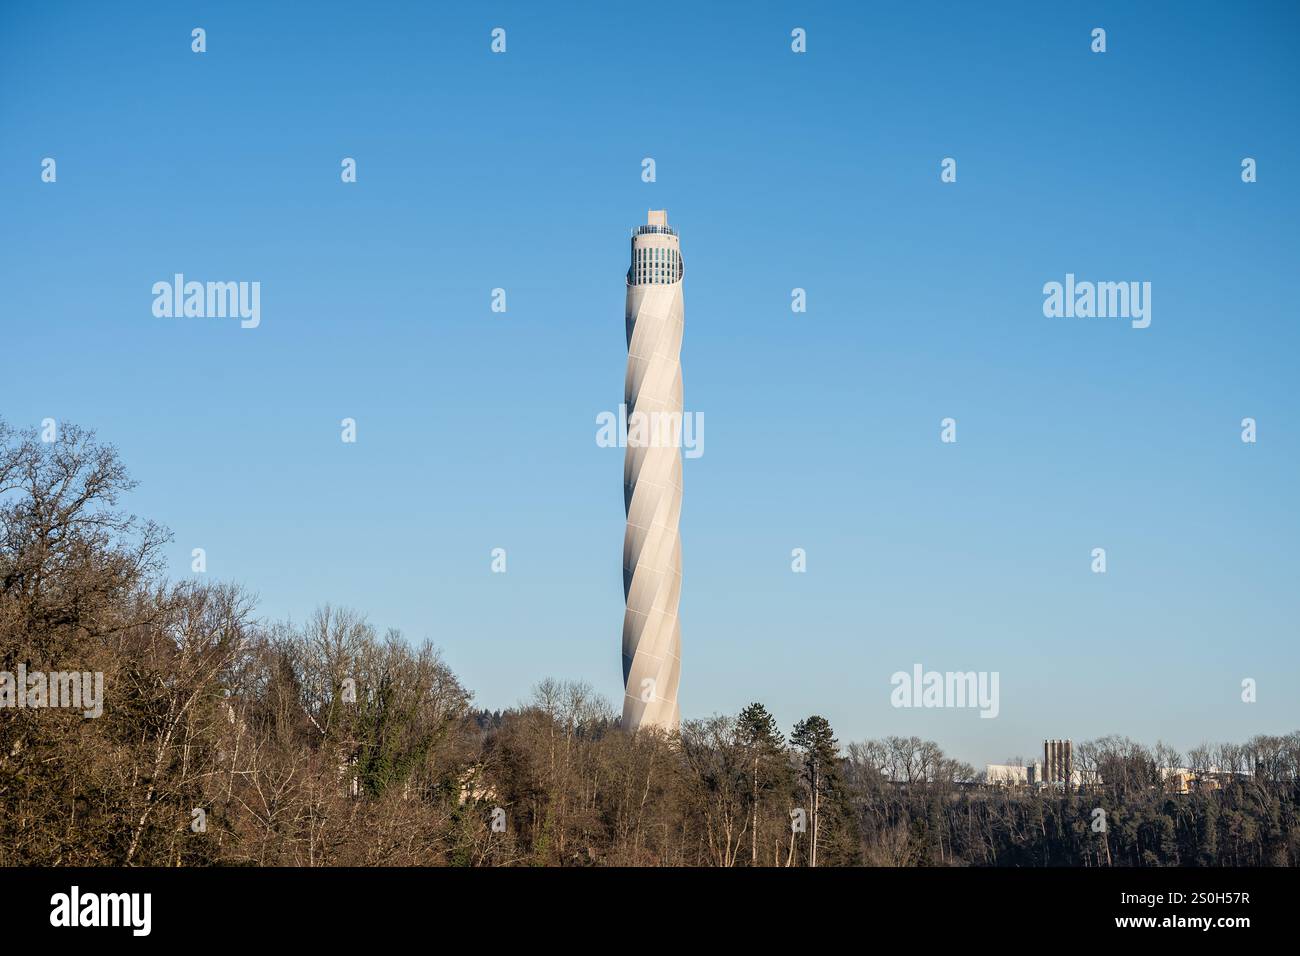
(227,741)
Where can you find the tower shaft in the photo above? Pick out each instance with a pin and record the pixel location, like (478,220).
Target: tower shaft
(652,478)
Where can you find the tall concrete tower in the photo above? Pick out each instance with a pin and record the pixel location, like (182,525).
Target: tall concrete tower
(652,478)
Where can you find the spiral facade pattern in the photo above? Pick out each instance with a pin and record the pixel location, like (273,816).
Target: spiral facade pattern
(652,478)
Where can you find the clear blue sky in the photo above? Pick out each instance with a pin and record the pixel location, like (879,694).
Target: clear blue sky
(476,430)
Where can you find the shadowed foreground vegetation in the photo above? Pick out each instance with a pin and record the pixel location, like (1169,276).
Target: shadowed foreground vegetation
(226,741)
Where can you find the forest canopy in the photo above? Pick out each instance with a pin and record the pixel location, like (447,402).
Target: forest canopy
(224,740)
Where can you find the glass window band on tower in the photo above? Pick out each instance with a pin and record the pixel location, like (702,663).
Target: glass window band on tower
(656,257)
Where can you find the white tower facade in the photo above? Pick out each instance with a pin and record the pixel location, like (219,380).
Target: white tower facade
(652,478)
